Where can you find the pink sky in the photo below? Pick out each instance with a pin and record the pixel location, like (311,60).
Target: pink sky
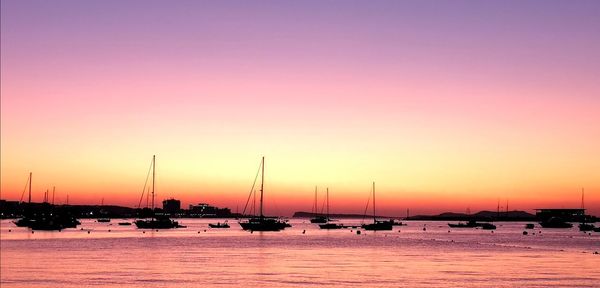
(446,105)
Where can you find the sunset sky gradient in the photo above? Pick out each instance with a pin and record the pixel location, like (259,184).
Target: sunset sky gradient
(447,105)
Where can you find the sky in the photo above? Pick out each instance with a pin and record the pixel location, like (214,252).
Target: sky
(446,105)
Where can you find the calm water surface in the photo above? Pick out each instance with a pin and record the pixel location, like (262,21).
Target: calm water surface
(198,256)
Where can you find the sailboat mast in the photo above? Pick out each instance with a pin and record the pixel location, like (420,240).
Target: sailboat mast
(315,205)
(30,174)
(582,204)
(53,190)
(153,175)
(327,204)
(262,182)
(374,217)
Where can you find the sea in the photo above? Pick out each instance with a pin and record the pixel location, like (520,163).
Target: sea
(421,254)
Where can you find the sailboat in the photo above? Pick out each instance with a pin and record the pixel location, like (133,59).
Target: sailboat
(377,225)
(47,217)
(27,219)
(263,223)
(330,225)
(583,226)
(316,217)
(160,222)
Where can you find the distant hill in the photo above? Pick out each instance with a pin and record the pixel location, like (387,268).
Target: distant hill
(479,216)
(302,214)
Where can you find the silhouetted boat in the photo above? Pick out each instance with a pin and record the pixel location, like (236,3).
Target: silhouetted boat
(377,225)
(487,226)
(125,223)
(262,223)
(26,220)
(161,222)
(53,221)
(219,225)
(586,227)
(555,222)
(47,218)
(597,229)
(529,226)
(329,225)
(470,224)
(103,220)
(316,217)
(23,222)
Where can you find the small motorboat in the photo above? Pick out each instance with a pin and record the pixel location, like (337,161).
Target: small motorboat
(487,226)
(586,227)
(555,222)
(219,225)
(103,220)
(329,226)
(470,224)
(125,223)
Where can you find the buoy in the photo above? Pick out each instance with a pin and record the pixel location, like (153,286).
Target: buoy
(108,230)
(198,232)
(144,232)
(32,231)
(492,232)
(424,229)
(357,232)
(303,231)
(157,230)
(204,230)
(88,232)
(9,230)
(524,232)
(448,231)
(399,231)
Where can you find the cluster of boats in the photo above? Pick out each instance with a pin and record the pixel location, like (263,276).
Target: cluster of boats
(48,221)
(51,219)
(473,224)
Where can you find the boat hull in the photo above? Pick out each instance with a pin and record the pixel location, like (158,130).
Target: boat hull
(157,224)
(378,226)
(318,220)
(586,227)
(556,225)
(264,224)
(330,226)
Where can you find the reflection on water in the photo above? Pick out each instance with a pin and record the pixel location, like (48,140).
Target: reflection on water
(123,256)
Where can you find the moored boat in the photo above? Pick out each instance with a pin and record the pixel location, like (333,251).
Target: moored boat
(156,222)
(329,225)
(263,223)
(555,222)
(219,225)
(377,224)
(470,224)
